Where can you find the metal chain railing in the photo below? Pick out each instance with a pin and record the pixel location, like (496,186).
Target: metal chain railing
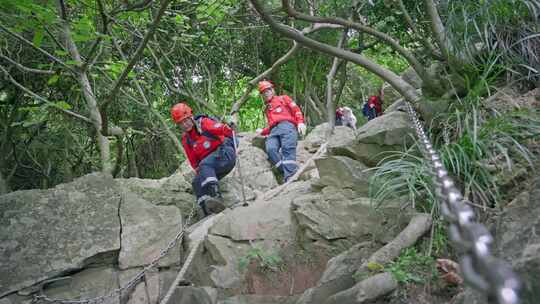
(480,269)
(133,281)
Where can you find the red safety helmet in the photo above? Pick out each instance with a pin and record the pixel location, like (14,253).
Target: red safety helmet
(180,111)
(263,85)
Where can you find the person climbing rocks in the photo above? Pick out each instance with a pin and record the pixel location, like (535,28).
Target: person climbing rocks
(339,116)
(373,107)
(285,122)
(210,149)
(346,117)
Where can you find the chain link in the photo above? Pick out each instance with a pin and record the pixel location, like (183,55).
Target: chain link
(480,268)
(131,283)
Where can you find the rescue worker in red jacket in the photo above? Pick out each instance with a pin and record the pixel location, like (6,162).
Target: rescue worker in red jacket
(210,149)
(285,121)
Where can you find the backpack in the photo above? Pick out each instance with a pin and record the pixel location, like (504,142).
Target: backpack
(198,120)
(365,109)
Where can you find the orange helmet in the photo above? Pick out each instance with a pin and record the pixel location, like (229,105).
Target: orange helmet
(180,111)
(263,85)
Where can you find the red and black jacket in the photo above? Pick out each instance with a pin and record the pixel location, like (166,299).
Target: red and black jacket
(282,108)
(204,138)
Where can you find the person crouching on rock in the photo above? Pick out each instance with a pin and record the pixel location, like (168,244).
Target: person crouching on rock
(210,149)
(284,119)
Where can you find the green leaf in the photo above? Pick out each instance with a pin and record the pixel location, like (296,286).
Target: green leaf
(54,79)
(64,105)
(71,62)
(179,19)
(38,37)
(60,52)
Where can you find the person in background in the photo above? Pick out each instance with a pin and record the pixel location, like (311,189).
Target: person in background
(345,117)
(285,122)
(210,149)
(339,116)
(373,107)
(348,119)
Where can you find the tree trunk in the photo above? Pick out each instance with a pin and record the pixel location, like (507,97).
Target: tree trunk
(330,104)
(4,188)
(86,88)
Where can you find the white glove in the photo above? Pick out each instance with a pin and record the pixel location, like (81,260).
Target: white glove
(302,129)
(258,131)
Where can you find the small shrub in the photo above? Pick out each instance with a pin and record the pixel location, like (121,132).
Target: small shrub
(265,260)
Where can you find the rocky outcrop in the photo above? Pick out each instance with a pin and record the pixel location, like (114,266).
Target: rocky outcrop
(87,284)
(390,132)
(170,191)
(338,275)
(317,136)
(258,299)
(344,172)
(256,173)
(366,291)
(46,233)
(335,214)
(146,229)
(518,242)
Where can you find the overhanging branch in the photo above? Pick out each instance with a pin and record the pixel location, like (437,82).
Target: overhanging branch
(405,89)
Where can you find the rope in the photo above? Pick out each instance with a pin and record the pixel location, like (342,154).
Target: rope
(181,273)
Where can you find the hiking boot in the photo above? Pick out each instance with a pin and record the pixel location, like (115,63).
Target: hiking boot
(214,203)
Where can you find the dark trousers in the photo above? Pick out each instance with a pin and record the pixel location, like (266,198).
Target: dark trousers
(281,148)
(212,168)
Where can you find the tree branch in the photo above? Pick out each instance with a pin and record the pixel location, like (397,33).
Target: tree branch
(417,66)
(437,27)
(36,96)
(149,105)
(26,69)
(427,44)
(21,38)
(252,83)
(136,56)
(405,89)
(330,104)
(178,90)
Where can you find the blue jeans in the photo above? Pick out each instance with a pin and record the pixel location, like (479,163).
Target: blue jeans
(281,148)
(212,168)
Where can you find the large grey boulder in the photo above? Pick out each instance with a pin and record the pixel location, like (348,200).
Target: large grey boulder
(49,232)
(225,255)
(190,295)
(268,220)
(336,214)
(145,291)
(317,136)
(344,172)
(146,230)
(338,275)
(366,291)
(258,299)
(390,132)
(256,173)
(518,241)
(87,284)
(261,220)
(265,224)
(170,191)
